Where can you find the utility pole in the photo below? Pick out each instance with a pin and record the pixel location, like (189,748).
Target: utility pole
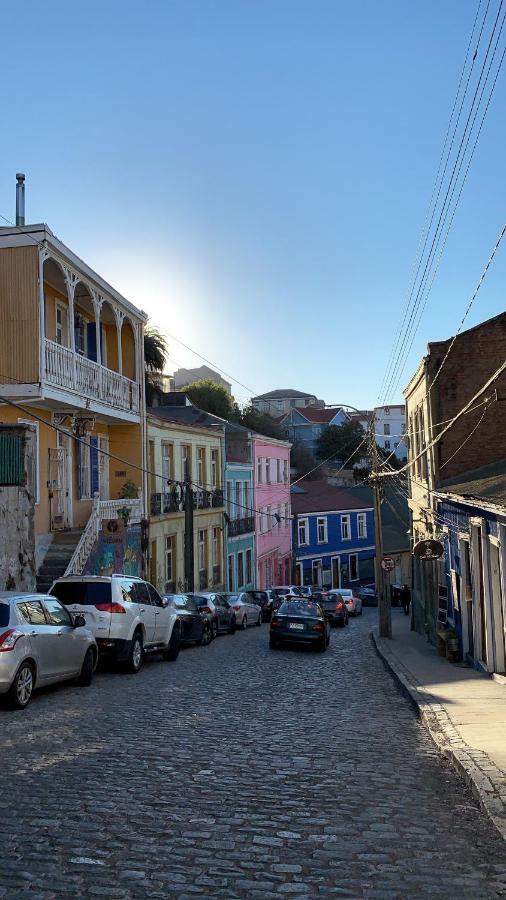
(384,606)
(189,566)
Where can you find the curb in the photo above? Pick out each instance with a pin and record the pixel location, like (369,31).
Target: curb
(487,782)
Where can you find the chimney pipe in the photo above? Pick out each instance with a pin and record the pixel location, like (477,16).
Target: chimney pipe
(20,198)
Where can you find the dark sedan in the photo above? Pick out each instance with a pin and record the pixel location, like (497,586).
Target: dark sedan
(335,609)
(217,610)
(195,628)
(299,622)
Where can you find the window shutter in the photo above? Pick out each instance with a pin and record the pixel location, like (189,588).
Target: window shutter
(92,341)
(94,465)
(11,460)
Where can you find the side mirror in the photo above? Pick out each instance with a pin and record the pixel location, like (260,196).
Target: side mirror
(165,602)
(79,621)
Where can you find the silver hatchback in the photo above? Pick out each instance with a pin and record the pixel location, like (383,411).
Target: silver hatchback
(41,644)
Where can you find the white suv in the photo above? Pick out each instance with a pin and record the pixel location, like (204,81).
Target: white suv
(126,615)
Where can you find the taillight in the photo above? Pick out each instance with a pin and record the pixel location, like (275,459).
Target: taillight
(110,607)
(274,623)
(339,605)
(237,608)
(8,639)
(318,627)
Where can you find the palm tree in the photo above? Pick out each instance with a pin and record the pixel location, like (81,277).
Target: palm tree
(155,357)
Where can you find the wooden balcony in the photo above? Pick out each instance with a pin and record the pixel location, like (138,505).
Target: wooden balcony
(84,377)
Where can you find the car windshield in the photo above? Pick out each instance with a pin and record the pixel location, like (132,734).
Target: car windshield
(199,600)
(84,593)
(4,613)
(258,595)
(299,608)
(181,601)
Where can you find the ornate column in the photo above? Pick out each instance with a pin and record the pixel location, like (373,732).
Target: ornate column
(119,316)
(98,301)
(71,280)
(43,255)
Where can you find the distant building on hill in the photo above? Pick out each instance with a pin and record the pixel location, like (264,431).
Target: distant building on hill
(182,377)
(279,402)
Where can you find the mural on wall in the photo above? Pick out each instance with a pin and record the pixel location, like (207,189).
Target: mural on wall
(123,555)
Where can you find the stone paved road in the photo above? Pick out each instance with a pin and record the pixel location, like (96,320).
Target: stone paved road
(238,772)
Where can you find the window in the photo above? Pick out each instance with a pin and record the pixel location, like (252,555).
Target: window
(230,492)
(214,468)
(231,579)
(170,558)
(84,469)
(386,428)
(259,469)
(240,570)
(186,459)
(316,571)
(61,327)
(302,535)
(80,334)
(33,612)
(141,594)
(33,481)
(201,470)
(285,471)
(249,567)
(387,445)
(167,462)
(265,519)
(353,567)
(362,525)
(268,471)
(56,613)
(321,528)
(247,501)
(279,472)
(345,528)
(202,549)
(215,547)
(387,410)
(279,404)
(238,500)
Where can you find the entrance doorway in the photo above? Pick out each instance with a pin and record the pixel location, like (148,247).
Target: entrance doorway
(60,483)
(336,572)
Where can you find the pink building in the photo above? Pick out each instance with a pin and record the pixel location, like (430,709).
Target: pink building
(273,530)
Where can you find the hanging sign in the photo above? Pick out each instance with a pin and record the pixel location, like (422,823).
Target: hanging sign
(428,550)
(387,564)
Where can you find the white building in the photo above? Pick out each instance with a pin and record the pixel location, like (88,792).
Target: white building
(280,402)
(390,428)
(182,377)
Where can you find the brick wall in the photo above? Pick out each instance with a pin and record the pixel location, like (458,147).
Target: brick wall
(476,354)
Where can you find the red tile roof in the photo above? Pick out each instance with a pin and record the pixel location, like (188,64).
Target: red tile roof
(320,496)
(322,416)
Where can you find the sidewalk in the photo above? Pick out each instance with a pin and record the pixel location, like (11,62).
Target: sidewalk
(464,711)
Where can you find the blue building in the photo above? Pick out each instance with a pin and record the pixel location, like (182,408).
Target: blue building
(472,592)
(304,426)
(240,518)
(333,535)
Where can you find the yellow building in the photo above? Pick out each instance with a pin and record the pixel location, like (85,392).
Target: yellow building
(72,356)
(173,445)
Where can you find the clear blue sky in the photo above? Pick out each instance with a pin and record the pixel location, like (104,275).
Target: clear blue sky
(254,173)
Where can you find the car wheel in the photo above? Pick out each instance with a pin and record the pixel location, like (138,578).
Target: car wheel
(207,635)
(259,622)
(134,661)
(88,667)
(244,623)
(174,645)
(21,690)
(273,643)
(233,626)
(322,645)
(215,629)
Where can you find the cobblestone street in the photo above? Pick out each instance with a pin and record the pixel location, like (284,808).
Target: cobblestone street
(238,772)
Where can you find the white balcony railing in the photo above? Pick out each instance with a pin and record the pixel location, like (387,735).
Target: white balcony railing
(75,373)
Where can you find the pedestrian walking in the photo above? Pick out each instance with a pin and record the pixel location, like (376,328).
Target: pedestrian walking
(405,599)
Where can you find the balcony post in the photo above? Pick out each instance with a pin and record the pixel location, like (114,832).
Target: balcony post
(97,306)
(43,255)
(71,280)
(119,316)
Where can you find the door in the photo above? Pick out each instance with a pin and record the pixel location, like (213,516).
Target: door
(41,638)
(162,616)
(60,484)
(336,572)
(497,608)
(103,466)
(65,642)
(147,612)
(316,570)
(299,574)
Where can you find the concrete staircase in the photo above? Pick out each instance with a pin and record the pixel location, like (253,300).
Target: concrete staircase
(57,559)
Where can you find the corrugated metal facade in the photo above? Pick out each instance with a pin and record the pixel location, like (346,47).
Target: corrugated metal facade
(19,318)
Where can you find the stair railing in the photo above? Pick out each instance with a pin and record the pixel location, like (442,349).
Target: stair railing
(102,509)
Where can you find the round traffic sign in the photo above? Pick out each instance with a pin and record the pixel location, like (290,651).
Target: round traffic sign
(387,564)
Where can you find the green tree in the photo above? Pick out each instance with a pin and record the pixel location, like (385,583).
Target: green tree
(155,356)
(341,442)
(260,422)
(211,397)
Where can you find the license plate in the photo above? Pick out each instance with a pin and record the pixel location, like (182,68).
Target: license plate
(296,626)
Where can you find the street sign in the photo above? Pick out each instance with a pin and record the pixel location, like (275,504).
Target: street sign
(112,530)
(387,564)
(428,550)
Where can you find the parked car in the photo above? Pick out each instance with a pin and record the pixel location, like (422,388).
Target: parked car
(282,590)
(335,609)
(353,602)
(246,612)
(368,595)
(195,627)
(261,598)
(218,609)
(300,620)
(41,644)
(127,616)
(305,590)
